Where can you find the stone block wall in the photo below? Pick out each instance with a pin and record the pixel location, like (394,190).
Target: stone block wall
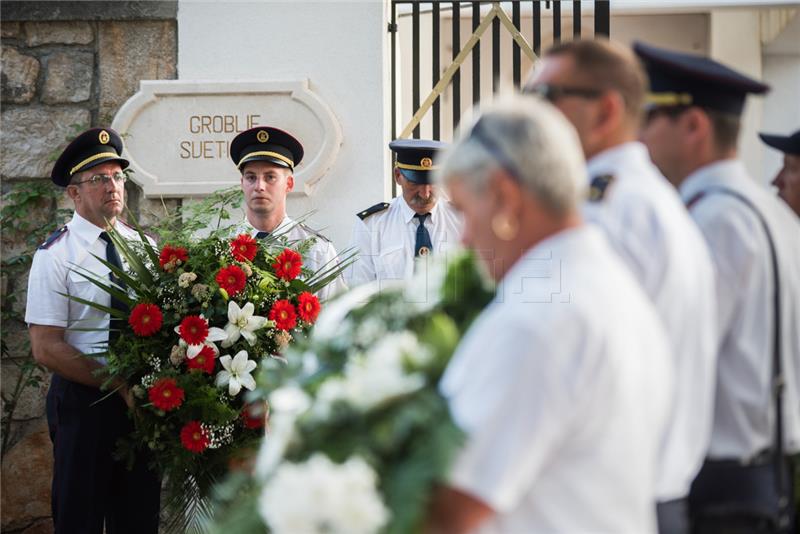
(66,66)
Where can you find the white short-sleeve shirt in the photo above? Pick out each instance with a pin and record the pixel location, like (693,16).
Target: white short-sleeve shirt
(563,386)
(55,272)
(322,253)
(384,241)
(649,227)
(744,413)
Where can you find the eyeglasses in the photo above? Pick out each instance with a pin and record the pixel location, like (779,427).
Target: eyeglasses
(551,93)
(105,179)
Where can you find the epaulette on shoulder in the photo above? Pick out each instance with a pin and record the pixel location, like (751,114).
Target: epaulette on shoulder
(314,232)
(52,238)
(145,232)
(372,210)
(599,186)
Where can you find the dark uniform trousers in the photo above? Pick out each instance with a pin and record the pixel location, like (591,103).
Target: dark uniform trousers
(90,488)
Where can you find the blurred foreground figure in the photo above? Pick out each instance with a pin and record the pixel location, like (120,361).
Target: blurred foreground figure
(600,87)
(563,384)
(691,132)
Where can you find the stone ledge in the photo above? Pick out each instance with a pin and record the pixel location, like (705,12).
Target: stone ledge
(17,10)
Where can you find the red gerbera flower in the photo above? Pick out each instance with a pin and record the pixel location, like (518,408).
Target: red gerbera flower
(193,329)
(194,437)
(255,415)
(145,319)
(308,307)
(232,279)
(244,247)
(283,314)
(165,394)
(204,361)
(171,257)
(287,264)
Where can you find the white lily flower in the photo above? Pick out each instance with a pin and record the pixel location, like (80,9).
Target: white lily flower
(236,373)
(242,323)
(214,334)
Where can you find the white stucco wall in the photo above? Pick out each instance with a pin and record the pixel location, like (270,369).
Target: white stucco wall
(342,48)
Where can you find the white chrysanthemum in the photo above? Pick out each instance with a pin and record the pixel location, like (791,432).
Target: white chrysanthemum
(186,279)
(286,405)
(375,377)
(236,373)
(319,496)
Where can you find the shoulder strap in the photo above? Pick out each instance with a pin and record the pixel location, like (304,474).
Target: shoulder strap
(598,187)
(777,372)
(52,238)
(377,208)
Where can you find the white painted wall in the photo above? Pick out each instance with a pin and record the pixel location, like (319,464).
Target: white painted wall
(781,66)
(342,48)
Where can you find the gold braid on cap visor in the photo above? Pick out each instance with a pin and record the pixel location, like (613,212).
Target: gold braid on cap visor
(408,167)
(251,155)
(90,159)
(669,99)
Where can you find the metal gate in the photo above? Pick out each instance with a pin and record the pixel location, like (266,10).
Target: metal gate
(434,26)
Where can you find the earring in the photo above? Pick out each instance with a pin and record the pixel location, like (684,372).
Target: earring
(503,227)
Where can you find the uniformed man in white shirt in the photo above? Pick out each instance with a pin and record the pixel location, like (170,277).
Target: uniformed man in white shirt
(390,237)
(691,132)
(600,87)
(563,384)
(787,181)
(90,489)
(266,158)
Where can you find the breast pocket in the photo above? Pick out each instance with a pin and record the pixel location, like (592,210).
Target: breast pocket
(392,263)
(79,286)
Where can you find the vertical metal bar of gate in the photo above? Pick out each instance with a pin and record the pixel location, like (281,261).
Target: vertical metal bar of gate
(516,19)
(556,22)
(495,55)
(456,24)
(576,19)
(602,17)
(476,55)
(537,27)
(415,61)
(435,68)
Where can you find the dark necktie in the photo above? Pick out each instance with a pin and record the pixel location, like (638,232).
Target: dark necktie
(261,235)
(112,257)
(423,246)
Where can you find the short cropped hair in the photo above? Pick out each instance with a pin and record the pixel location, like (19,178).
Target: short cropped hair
(609,66)
(531,141)
(726,129)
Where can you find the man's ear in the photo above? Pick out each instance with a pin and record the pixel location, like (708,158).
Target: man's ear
(73,192)
(611,112)
(398,177)
(289,182)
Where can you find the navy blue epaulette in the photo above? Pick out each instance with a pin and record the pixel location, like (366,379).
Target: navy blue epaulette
(377,208)
(314,232)
(598,187)
(52,238)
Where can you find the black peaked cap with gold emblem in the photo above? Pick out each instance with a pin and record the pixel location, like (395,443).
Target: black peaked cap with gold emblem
(679,79)
(416,158)
(265,143)
(89,149)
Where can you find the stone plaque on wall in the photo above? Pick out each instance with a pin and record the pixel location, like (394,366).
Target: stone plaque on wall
(177,133)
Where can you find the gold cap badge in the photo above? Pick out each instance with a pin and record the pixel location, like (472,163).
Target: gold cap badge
(426,162)
(103,137)
(262,136)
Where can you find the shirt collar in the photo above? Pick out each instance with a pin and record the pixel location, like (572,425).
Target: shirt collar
(248,228)
(87,231)
(720,172)
(611,159)
(408,214)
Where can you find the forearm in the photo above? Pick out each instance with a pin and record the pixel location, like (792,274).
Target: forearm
(60,357)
